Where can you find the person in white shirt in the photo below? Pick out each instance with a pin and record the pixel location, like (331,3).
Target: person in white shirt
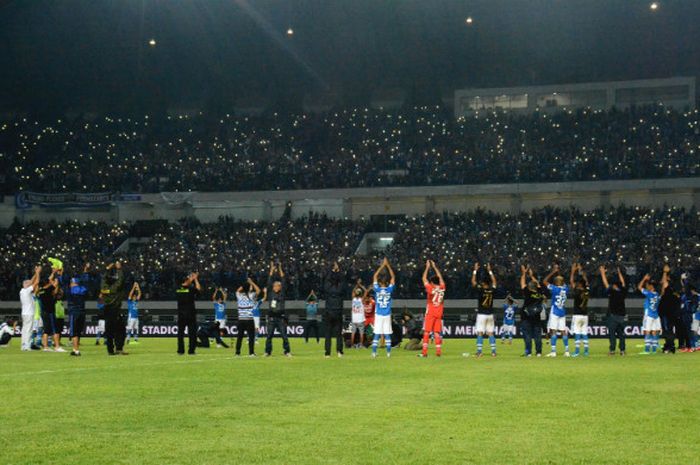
(26,298)
(7,330)
(357,323)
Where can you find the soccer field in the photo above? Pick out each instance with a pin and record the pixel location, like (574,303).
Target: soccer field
(155,407)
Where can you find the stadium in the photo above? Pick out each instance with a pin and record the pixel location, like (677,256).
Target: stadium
(351,232)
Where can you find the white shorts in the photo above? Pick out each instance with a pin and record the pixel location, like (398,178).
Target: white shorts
(651,324)
(484,323)
(222,323)
(695,326)
(556,323)
(256,321)
(508,328)
(132,324)
(38,324)
(579,324)
(101,326)
(382,324)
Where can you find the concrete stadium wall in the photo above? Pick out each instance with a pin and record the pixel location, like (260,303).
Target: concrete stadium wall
(363,202)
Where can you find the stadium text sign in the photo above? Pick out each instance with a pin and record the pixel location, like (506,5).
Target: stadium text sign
(297,330)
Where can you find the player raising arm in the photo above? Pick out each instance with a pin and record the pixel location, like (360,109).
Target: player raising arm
(435,293)
(651,326)
(557,316)
(383,289)
(132,322)
(579,320)
(485,323)
(219,298)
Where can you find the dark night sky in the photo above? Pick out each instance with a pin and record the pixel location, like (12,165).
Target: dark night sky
(95,53)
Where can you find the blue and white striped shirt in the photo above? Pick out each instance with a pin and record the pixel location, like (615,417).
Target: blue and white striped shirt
(246,304)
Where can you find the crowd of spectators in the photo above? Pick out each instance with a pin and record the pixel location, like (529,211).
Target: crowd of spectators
(345,148)
(225,253)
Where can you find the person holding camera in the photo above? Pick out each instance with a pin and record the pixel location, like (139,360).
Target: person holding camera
(533,310)
(112,291)
(187,313)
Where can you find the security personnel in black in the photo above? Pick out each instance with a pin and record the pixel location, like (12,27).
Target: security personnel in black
(187,313)
(113,293)
(334,289)
(617,312)
(532,311)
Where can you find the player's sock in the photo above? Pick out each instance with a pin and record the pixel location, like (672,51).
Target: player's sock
(426,339)
(438,344)
(387,341)
(577,343)
(554,343)
(492,343)
(585,344)
(654,342)
(647,342)
(375,344)
(566,343)
(479,343)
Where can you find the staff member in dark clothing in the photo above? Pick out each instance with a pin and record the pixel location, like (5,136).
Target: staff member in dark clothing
(187,313)
(210,331)
(689,304)
(276,316)
(77,293)
(48,294)
(334,289)
(617,312)
(532,313)
(112,291)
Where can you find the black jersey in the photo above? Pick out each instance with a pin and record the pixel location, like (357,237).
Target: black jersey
(486,300)
(581,301)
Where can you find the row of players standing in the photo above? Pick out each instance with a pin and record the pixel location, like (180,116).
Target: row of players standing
(533,312)
(42,300)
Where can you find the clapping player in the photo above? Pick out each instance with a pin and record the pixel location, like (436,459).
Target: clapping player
(435,293)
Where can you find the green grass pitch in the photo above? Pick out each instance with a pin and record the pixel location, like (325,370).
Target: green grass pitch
(155,407)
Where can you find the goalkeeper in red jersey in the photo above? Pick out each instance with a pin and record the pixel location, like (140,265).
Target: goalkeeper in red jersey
(435,291)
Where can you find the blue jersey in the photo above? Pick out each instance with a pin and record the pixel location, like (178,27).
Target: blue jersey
(651,303)
(256,308)
(689,302)
(133,306)
(219,310)
(558,299)
(509,314)
(311,310)
(382,297)
(100,309)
